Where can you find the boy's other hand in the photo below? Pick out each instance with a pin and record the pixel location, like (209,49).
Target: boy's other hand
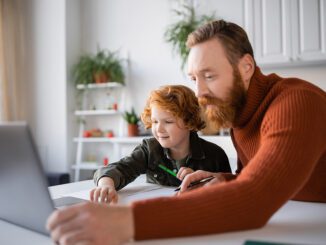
(105,192)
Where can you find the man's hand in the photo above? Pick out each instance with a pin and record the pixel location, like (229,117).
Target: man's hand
(91,223)
(183,171)
(105,191)
(200,174)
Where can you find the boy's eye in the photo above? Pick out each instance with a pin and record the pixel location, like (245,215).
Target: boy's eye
(154,121)
(169,121)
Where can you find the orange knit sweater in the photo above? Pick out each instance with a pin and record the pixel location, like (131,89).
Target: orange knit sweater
(280,137)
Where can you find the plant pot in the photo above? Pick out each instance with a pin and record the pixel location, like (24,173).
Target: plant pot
(101,77)
(133,130)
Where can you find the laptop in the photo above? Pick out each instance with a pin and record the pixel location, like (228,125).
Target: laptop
(24,196)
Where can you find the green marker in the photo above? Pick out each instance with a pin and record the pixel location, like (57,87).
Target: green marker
(167,170)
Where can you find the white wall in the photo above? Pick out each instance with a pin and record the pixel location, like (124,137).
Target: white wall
(73,49)
(46,79)
(59,31)
(314,74)
(140,31)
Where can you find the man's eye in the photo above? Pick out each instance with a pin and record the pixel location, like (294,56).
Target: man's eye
(192,79)
(209,77)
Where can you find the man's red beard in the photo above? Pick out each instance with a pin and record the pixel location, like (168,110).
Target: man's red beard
(223,112)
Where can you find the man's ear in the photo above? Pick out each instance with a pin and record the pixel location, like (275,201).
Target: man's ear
(246,68)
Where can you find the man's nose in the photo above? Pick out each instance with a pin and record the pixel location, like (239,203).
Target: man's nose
(201,88)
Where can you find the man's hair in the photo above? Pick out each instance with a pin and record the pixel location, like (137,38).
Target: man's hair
(233,38)
(179,100)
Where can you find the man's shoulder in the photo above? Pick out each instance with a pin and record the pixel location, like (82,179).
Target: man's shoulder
(292,93)
(291,101)
(294,85)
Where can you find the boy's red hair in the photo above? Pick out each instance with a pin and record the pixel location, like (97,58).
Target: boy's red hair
(179,100)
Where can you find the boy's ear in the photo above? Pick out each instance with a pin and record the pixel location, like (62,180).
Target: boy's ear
(246,68)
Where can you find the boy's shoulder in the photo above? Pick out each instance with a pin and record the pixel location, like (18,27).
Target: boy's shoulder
(151,143)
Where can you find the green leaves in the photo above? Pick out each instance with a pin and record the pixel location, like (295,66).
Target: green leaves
(177,33)
(83,70)
(104,61)
(131,117)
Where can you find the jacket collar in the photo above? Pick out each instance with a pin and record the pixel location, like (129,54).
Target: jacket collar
(196,149)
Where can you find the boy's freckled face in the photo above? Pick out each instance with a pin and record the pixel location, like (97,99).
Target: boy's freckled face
(167,129)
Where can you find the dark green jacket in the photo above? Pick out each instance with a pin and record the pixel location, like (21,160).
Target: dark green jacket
(145,158)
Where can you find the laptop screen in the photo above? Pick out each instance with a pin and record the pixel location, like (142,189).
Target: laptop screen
(25,199)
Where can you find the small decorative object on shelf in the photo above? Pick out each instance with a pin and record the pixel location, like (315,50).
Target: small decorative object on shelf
(105,161)
(93,133)
(109,134)
(115,106)
(132,119)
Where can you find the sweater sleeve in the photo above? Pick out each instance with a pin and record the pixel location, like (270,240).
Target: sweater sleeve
(292,141)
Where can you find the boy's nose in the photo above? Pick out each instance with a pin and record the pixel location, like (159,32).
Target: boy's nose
(160,128)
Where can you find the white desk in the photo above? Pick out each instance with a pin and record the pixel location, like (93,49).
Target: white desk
(295,222)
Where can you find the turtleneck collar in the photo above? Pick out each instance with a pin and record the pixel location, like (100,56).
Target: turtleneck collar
(258,88)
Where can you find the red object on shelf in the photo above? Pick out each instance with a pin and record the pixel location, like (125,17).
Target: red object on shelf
(105,161)
(109,134)
(87,134)
(115,106)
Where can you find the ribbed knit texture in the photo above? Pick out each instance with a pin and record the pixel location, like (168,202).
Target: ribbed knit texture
(280,137)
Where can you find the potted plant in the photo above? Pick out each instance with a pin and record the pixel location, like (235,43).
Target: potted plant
(132,119)
(100,73)
(102,67)
(177,33)
(107,67)
(83,70)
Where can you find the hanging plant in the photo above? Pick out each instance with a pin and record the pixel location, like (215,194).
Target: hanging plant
(177,33)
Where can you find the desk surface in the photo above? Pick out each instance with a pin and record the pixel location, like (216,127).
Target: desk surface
(295,222)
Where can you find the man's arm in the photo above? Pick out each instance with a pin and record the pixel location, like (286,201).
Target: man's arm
(288,153)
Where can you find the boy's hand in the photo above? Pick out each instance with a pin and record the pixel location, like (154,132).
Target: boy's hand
(105,192)
(183,171)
